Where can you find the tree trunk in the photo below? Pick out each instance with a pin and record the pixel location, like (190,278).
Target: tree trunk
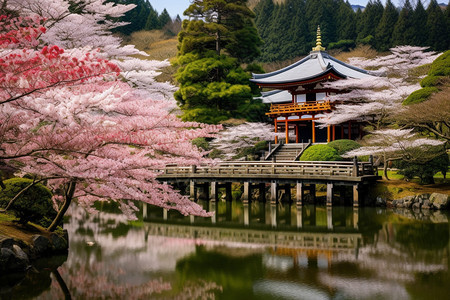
(385,168)
(67,200)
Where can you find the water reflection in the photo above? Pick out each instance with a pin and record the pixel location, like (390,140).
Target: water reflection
(255,251)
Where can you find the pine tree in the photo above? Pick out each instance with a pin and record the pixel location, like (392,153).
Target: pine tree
(420,28)
(212,84)
(403,33)
(164,18)
(383,34)
(345,20)
(436,27)
(152,21)
(322,12)
(370,19)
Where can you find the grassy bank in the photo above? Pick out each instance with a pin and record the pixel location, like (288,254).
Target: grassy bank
(10,228)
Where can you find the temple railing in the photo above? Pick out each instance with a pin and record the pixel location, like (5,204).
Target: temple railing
(301,107)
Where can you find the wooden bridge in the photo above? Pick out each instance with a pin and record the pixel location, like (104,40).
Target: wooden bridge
(305,174)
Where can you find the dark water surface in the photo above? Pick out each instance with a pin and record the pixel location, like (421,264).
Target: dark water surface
(256,251)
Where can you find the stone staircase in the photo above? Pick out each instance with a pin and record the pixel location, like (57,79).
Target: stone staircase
(286,152)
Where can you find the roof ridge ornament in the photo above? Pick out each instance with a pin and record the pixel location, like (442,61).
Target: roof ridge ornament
(318,41)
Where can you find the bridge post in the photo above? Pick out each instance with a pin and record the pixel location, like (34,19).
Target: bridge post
(192,190)
(299,216)
(273,214)
(329,217)
(228,192)
(356,197)
(246,214)
(165,214)
(312,192)
(212,208)
(330,187)
(273,192)
(299,194)
(213,193)
(246,195)
(355,217)
(144,211)
(355,166)
(262,192)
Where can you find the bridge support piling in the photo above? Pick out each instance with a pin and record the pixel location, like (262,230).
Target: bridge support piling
(213,192)
(144,211)
(356,196)
(312,192)
(247,190)
(273,192)
(355,217)
(228,192)
(330,187)
(192,190)
(165,214)
(273,215)
(213,208)
(329,217)
(246,214)
(299,216)
(262,192)
(299,194)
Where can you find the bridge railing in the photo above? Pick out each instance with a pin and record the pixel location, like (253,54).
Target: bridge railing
(320,168)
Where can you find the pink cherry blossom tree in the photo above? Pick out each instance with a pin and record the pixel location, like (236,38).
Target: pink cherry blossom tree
(374,100)
(70,117)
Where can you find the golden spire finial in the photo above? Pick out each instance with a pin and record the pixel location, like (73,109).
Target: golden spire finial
(318,46)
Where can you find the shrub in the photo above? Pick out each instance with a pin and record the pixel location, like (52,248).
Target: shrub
(345,45)
(425,171)
(34,205)
(201,143)
(441,65)
(343,146)
(420,95)
(320,153)
(205,115)
(431,81)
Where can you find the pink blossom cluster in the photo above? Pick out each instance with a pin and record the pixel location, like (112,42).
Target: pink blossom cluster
(68,116)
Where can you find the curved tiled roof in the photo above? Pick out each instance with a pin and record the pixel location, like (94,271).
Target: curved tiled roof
(316,64)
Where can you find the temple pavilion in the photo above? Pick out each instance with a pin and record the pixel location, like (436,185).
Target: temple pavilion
(298,97)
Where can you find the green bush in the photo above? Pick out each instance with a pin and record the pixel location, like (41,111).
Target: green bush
(320,153)
(441,65)
(343,146)
(345,45)
(420,95)
(252,152)
(205,115)
(34,205)
(431,81)
(201,143)
(425,171)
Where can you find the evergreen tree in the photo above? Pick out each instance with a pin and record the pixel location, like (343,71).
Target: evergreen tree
(152,21)
(213,86)
(436,27)
(346,21)
(403,33)
(164,18)
(383,34)
(370,19)
(420,28)
(322,12)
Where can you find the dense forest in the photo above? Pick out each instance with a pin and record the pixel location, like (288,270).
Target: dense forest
(145,17)
(288,27)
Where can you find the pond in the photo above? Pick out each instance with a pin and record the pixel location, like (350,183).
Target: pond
(255,251)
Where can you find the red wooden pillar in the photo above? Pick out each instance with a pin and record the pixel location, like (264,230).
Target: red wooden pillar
(328,133)
(313,131)
(287,130)
(334,133)
(276,130)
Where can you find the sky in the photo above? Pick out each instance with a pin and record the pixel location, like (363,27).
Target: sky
(175,7)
